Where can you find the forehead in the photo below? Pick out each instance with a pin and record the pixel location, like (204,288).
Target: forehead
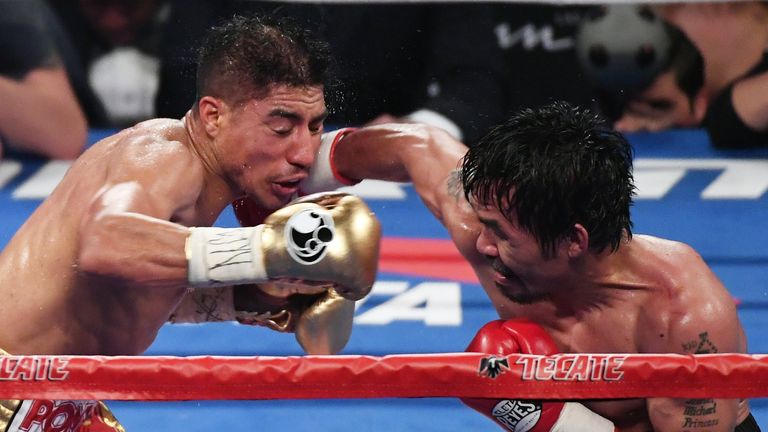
(490,212)
(296,99)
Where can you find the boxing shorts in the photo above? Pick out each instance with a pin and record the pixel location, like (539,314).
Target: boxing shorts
(56,415)
(748,425)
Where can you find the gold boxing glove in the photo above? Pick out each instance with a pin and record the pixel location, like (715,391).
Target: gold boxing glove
(326,325)
(322,322)
(325,239)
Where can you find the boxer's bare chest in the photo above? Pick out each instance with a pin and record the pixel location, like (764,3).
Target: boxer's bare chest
(619,330)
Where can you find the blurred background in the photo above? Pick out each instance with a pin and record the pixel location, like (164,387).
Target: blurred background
(460,65)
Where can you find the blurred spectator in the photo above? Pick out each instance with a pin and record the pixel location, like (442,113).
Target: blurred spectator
(117,43)
(537,43)
(40,113)
(733,39)
(651,75)
(731,36)
(423,62)
(648,74)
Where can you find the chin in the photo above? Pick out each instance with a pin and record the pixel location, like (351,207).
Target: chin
(523,300)
(523,297)
(267,202)
(282,202)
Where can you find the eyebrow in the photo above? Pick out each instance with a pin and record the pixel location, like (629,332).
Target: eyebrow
(280,112)
(488,222)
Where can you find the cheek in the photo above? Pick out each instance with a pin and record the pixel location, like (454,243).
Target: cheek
(257,154)
(525,258)
(513,256)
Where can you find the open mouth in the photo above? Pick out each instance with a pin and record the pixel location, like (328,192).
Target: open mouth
(505,279)
(502,274)
(287,187)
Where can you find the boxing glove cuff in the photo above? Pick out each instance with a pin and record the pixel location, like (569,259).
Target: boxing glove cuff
(225,256)
(575,417)
(323,175)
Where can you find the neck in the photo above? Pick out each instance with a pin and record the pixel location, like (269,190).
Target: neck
(218,191)
(596,281)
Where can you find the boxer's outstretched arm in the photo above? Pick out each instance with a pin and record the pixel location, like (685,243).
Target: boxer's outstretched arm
(424,155)
(126,233)
(428,157)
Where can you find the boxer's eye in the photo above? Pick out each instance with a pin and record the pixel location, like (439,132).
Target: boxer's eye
(282,132)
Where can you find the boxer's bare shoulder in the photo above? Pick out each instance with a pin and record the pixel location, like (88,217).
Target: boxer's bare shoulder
(689,310)
(144,142)
(156,155)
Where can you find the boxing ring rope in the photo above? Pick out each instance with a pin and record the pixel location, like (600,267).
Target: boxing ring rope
(563,376)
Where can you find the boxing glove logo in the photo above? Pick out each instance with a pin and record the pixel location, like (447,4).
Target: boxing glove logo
(307,235)
(516,415)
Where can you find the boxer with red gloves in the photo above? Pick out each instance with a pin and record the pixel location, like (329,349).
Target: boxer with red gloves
(519,336)
(540,208)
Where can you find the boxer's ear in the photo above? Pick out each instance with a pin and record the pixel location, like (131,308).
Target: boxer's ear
(210,109)
(578,241)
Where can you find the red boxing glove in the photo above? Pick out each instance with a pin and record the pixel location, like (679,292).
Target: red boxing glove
(519,336)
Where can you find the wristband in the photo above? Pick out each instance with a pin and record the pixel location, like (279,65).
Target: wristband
(575,417)
(225,256)
(323,175)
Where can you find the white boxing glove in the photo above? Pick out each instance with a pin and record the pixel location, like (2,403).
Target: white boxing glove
(323,175)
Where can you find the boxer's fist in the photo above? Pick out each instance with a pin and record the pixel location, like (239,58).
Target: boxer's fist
(329,239)
(326,325)
(519,336)
(503,338)
(326,238)
(322,322)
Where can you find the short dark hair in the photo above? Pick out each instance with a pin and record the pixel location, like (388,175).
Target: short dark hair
(555,166)
(241,58)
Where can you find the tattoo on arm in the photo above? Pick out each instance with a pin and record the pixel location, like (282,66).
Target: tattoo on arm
(201,305)
(701,346)
(454,184)
(208,304)
(699,413)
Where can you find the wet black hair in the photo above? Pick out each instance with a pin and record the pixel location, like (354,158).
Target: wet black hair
(241,58)
(553,167)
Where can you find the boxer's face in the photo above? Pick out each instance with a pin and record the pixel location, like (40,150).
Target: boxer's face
(520,270)
(269,144)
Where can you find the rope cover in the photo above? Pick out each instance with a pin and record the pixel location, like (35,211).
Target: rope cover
(562,376)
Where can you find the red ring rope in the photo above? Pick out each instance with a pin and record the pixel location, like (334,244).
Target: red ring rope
(563,376)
